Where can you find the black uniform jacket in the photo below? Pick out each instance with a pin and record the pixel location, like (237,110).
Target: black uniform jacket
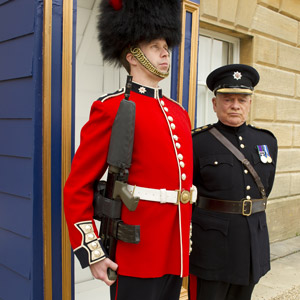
(230,247)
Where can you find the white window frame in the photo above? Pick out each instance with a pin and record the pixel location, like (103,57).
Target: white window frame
(235,42)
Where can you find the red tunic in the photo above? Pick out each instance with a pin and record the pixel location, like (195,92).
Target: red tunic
(162,159)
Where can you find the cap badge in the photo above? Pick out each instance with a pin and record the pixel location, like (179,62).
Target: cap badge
(142,90)
(237,75)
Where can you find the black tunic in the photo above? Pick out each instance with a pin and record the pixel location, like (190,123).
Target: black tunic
(229,247)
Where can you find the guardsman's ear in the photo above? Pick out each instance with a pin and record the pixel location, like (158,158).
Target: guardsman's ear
(131,59)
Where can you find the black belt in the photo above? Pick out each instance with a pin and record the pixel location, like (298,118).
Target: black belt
(245,207)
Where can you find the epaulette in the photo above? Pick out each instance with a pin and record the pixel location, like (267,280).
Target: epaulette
(262,129)
(110,95)
(201,129)
(175,102)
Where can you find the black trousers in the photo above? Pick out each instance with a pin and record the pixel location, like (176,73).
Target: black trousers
(200,289)
(131,288)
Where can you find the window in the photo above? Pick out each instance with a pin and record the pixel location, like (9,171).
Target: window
(215,50)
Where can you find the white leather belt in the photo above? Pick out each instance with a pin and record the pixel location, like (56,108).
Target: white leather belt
(163,195)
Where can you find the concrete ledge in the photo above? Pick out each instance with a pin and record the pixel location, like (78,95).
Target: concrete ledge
(284,248)
(282,282)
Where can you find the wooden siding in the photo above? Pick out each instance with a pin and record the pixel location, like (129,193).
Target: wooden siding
(20,161)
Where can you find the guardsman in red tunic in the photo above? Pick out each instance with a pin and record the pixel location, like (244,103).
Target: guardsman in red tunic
(161,168)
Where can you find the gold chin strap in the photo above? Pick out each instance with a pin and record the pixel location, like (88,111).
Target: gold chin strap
(144,61)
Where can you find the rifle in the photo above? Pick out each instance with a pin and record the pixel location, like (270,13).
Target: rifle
(110,195)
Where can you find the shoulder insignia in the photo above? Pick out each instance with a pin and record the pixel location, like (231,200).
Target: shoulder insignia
(201,129)
(262,129)
(174,102)
(110,95)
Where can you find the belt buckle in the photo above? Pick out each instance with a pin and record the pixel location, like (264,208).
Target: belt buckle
(184,197)
(244,208)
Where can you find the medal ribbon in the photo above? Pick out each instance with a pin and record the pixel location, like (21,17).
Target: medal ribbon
(266,150)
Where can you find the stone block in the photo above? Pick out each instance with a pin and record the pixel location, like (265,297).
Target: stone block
(265,51)
(269,22)
(290,8)
(227,11)
(269,3)
(296,136)
(298,86)
(275,81)
(288,57)
(288,110)
(282,132)
(295,186)
(281,186)
(288,160)
(246,50)
(298,33)
(283,218)
(263,107)
(245,12)
(209,9)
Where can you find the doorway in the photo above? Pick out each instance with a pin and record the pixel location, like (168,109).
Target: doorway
(93,79)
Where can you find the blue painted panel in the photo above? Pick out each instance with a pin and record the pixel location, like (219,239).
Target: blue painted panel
(174,73)
(16,19)
(56,151)
(73,122)
(4,1)
(37,277)
(16,176)
(14,286)
(12,206)
(187,59)
(16,58)
(19,141)
(17,98)
(21,257)
(16,253)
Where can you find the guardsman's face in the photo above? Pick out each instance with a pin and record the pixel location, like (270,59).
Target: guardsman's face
(157,51)
(232,109)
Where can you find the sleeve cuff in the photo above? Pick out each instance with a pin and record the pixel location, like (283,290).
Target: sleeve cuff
(91,249)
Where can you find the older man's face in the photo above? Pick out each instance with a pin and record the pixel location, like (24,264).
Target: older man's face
(232,109)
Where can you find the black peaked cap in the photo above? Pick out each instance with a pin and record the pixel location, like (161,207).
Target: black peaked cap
(233,78)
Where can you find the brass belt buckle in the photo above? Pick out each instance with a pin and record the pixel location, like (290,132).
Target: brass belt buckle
(244,208)
(183,197)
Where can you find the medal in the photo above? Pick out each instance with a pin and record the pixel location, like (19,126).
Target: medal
(264,159)
(269,158)
(262,154)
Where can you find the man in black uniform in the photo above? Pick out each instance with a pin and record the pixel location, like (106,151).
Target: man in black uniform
(230,243)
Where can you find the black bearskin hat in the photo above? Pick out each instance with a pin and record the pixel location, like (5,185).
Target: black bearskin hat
(124,23)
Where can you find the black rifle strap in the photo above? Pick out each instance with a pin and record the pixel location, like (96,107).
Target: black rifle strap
(240,156)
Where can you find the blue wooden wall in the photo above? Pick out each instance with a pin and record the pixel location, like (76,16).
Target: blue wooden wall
(21,261)
(187,62)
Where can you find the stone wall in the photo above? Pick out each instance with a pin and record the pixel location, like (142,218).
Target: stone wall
(269,31)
